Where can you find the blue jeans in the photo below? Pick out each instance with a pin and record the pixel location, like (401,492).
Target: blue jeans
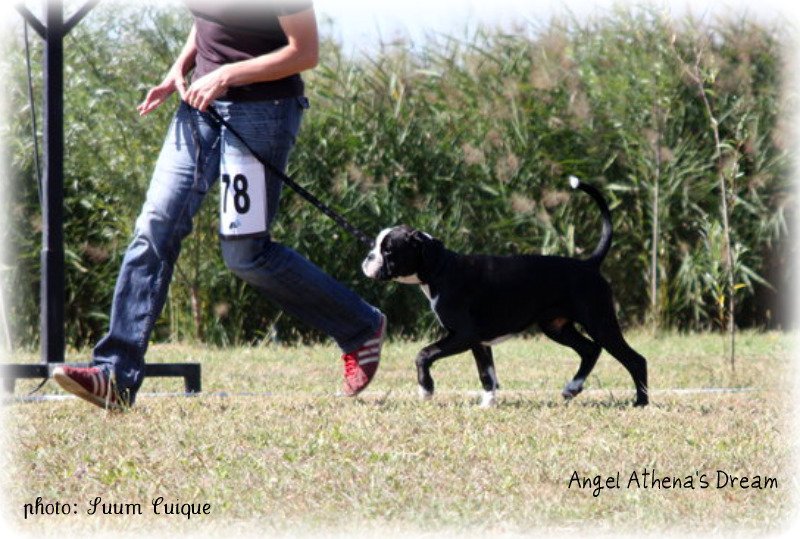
(187,167)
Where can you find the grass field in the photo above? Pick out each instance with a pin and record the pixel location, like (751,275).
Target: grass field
(271,450)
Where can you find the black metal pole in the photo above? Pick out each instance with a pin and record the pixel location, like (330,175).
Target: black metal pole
(52,256)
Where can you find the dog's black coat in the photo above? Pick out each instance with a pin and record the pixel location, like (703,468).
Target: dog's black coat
(479,299)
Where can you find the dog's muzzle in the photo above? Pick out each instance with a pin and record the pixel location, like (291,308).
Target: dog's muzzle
(373,266)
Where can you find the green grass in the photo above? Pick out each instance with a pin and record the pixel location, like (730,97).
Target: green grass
(281,454)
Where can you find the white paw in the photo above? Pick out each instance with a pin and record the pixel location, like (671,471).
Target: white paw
(488,399)
(572,389)
(424,394)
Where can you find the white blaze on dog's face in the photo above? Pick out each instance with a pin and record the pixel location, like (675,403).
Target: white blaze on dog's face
(374,261)
(396,255)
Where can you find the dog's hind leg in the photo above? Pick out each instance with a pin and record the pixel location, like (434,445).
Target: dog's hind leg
(563,332)
(605,330)
(485,362)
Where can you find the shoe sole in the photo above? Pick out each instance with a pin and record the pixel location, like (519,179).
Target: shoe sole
(70,385)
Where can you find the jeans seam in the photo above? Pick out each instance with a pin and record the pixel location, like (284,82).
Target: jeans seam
(151,316)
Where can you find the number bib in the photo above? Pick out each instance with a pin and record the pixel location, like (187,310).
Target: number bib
(242,196)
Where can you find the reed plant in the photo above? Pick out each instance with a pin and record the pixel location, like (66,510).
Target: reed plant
(683,124)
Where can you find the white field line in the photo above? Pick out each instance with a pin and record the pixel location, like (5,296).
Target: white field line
(6,400)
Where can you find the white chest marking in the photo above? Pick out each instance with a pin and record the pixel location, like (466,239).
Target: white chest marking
(408,279)
(426,289)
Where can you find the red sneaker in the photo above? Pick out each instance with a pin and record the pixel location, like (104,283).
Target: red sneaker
(92,384)
(360,365)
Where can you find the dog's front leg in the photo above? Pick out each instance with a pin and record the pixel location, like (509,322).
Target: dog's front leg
(450,345)
(485,362)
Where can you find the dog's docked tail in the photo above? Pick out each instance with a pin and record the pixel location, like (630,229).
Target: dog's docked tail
(604,244)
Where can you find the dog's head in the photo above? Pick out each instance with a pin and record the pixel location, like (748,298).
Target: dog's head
(401,254)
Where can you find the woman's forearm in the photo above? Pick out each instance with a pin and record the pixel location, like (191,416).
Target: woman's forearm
(273,66)
(300,53)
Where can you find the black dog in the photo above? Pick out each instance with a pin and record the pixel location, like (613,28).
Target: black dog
(481,300)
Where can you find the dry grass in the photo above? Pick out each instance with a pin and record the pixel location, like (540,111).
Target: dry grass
(281,454)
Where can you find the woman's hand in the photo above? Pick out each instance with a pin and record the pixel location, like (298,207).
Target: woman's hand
(207,88)
(173,82)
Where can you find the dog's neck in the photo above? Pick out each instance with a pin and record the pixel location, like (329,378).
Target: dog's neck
(435,262)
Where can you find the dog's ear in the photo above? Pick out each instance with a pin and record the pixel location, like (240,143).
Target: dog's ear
(431,247)
(417,236)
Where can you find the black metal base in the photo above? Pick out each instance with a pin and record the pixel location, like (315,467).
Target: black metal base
(190,372)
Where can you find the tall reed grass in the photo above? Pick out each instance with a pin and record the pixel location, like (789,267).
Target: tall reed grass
(470,139)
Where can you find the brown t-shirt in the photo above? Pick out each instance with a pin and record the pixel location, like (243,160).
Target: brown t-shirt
(228,32)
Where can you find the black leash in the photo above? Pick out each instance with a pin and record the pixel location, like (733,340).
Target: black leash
(300,190)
